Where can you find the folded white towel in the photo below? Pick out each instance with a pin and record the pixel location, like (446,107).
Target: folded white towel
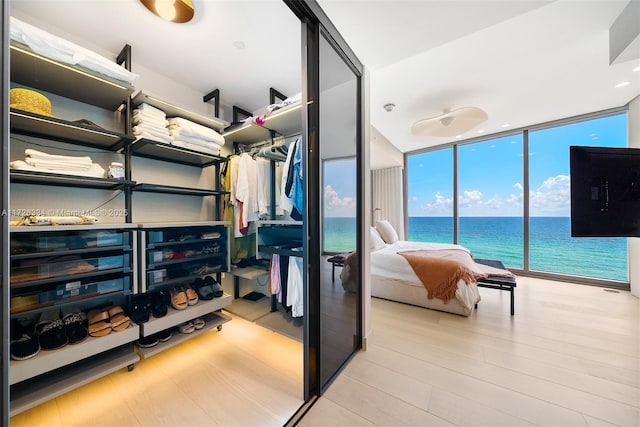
(95,170)
(194,140)
(149,110)
(155,137)
(189,128)
(35,154)
(141,127)
(63,50)
(52,164)
(152,120)
(211,149)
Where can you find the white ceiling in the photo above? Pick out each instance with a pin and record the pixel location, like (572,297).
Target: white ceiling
(523,62)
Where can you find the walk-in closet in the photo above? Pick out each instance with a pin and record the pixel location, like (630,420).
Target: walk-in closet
(167,187)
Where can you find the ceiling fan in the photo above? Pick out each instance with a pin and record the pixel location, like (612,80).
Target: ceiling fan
(450,123)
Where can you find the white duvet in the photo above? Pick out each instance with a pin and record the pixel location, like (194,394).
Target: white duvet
(387,263)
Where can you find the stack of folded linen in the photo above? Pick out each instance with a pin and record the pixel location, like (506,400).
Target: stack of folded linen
(194,136)
(67,165)
(151,123)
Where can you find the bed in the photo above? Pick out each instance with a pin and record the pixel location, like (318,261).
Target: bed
(438,276)
(393,278)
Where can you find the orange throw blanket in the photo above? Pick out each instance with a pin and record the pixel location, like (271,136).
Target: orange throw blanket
(441,270)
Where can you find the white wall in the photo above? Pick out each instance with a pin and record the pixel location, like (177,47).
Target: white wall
(633,118)
(383,153)
(367,217)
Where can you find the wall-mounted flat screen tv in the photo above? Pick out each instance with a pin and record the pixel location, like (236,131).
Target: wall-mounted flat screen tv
(605,191)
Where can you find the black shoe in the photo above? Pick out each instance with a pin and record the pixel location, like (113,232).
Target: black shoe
(24,343)
(141,310)
(150,341)
(205,292)
(164,335)
(76,326)
(160,303)
(215,286)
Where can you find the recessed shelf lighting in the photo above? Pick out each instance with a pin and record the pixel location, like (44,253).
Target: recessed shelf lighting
(622,84)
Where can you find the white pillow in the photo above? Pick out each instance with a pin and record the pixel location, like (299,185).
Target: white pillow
(376,241)
(386,231)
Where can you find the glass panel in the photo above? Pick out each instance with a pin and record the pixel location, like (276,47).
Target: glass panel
(339,206)
(551,247)
(430,196)
(490,199)
(338,105)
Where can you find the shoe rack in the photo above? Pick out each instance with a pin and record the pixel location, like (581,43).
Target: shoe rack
(54,372)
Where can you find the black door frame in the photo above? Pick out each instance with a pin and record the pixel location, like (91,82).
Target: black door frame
(316,24)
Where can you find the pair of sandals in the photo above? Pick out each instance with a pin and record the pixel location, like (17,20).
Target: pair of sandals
(183,296)
(191,325)
(208,288)
(103,321)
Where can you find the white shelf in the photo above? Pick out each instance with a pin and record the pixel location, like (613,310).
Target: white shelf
(173,110)
(175,317)
(34,392)
(48,360)
(286,122)
(213,320)
(249,272)
(97,226)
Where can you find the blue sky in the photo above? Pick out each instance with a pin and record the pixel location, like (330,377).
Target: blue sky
(339,180)
(491,177)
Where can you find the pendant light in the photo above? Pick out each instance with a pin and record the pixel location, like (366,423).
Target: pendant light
(171,10)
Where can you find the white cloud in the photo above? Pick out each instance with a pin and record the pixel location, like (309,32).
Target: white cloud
(518,186)
(441,206)
(552,198)
(333,200)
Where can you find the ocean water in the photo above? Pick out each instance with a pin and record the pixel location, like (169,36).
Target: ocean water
(551,247)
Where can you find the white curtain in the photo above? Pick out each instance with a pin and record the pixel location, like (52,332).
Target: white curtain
(387,198)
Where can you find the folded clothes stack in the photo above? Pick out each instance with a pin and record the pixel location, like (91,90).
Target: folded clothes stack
(67,165)
(194,136)
(151,123)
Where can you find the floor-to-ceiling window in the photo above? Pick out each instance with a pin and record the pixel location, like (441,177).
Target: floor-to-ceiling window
(490,199)
(430,196)
(551,247)
(490,178)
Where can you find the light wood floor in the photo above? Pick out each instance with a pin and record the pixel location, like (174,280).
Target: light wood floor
(569,357)
(244,375)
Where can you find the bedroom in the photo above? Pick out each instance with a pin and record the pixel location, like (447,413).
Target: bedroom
(459,370)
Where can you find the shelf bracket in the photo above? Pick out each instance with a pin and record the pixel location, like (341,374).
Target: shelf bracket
(237,111)
(215,95)
(273,94)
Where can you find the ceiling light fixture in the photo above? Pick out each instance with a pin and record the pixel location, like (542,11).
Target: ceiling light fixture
(506,125)
(637,68)
(450,123)
(622,84)
(179,11)
(389,107)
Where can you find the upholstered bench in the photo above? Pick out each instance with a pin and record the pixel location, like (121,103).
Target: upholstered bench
(500,283)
